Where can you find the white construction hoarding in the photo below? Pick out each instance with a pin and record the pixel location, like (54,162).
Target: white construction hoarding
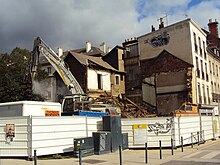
(20,136)
(47,135)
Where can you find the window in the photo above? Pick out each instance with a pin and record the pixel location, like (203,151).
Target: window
(217,70)
(215,89)
(200,47)
(49,70)
(197,67)
(99,76)
(117,80)
(204,49)
(203,75)
(204,95)
(122,77)
(196,47)
(213,68)
(210,67)
(206,72)
(68,105)
(212,87)
(199,93)
(208,95)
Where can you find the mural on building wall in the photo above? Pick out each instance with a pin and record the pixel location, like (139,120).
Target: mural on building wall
(160,128)
(160,40)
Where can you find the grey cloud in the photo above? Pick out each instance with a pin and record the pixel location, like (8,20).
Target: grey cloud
(66,23)
(70,23)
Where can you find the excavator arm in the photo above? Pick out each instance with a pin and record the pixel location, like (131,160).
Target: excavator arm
(40,47)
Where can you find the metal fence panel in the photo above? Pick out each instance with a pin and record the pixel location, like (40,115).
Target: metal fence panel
(159,128)
(19,145)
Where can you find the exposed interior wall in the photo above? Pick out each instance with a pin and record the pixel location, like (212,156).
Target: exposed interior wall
(149,93)
(133,89)
(168,103)
(133,80)
(117,84)
(92,80)
(171,91)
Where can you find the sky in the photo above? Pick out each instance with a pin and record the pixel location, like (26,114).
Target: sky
(70,23)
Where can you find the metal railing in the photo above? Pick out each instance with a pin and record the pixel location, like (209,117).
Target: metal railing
(197,137)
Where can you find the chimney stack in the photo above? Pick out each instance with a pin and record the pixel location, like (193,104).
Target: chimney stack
(109,49)
(152,28)
(213,27)
(88,46)
(60,52)
(103,47)
(161,25)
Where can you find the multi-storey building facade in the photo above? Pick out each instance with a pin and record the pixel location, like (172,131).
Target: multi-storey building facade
(167,84)
(133,88)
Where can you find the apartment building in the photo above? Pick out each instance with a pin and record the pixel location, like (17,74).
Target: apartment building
(176,66)
(213,44)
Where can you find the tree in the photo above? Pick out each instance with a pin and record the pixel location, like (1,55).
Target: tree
(15,82)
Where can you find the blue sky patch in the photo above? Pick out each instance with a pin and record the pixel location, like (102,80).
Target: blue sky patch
(194,3)
(143,5)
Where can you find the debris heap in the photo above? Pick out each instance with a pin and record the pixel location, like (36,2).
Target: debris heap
(128,108)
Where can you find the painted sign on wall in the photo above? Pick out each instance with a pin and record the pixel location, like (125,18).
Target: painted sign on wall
(160,40)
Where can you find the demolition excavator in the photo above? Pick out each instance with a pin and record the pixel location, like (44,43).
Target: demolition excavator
(78,100)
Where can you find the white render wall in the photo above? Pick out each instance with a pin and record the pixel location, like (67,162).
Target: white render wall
(92,80)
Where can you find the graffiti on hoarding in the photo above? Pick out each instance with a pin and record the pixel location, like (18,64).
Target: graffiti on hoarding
(160,128)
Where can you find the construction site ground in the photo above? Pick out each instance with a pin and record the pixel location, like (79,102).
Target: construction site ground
(207,153)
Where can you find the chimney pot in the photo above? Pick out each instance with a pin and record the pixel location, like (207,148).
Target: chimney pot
(88,46)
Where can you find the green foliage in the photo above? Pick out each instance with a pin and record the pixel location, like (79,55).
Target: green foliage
(41,74)
(15,81)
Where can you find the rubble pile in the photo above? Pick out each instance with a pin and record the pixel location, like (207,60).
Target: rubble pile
(128,108)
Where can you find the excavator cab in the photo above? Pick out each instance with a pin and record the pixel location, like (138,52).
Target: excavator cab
(74,103)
